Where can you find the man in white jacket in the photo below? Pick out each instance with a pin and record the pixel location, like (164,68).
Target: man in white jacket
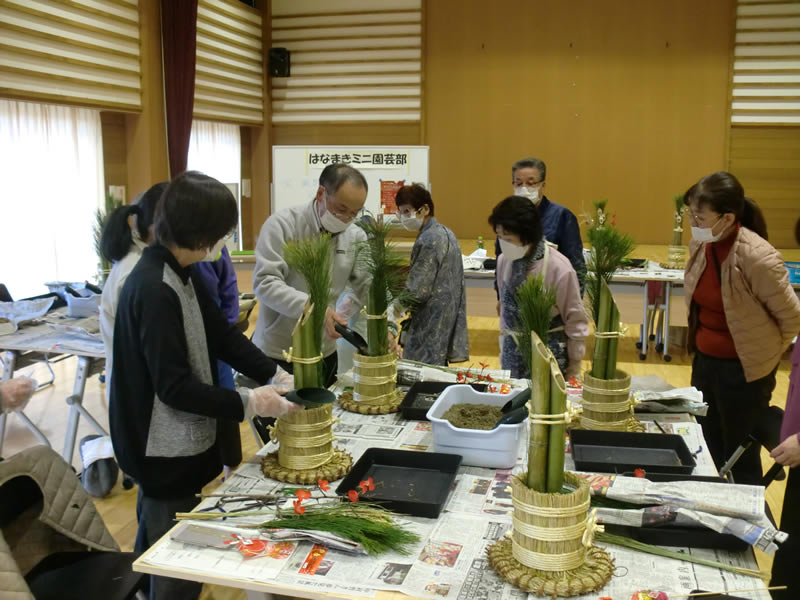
(281,291)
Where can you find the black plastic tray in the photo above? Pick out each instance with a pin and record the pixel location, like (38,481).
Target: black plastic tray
(432,388)
(668,535)
(409,482)
(621,451)
(664,477)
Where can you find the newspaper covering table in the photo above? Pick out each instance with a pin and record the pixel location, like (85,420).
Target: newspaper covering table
(450,559)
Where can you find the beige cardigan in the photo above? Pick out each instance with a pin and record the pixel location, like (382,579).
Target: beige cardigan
(761,308)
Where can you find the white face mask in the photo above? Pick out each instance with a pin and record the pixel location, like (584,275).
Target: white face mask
(215,252)
(412,222)
(512,251)
(333,224)
(531,194)
(704,234)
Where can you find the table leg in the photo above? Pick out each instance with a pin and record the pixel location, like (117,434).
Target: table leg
(644,336)
(76,409)
(667,287)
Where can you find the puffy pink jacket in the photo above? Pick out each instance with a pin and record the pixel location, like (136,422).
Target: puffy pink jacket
(762,309)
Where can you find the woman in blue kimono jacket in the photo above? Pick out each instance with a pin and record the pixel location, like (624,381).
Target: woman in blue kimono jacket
(437,332)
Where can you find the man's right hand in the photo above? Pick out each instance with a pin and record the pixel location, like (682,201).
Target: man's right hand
(331,317)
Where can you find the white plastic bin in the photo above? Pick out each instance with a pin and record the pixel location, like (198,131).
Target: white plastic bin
(496,448)
(82,307)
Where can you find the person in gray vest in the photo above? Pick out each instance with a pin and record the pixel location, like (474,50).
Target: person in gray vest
(282,291)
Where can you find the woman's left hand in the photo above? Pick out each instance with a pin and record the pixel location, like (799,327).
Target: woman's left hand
(787,453)
(394,346)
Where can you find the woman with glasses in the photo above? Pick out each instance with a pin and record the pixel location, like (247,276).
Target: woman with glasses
(742,315)
(437,331)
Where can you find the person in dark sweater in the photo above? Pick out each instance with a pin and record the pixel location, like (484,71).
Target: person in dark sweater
(165,402)
(559,224)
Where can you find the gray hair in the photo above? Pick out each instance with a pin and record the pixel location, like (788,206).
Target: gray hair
(336,175)
(530,163)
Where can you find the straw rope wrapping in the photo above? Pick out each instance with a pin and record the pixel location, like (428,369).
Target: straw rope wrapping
(305,438)
(374,317)
(337,467)
(551,550)
(384,406)
(564,418)
(291,358)
(375,379)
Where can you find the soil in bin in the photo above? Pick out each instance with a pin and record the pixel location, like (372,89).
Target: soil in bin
(473,416)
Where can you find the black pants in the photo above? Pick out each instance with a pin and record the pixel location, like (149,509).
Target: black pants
(785,569)
(156,516)
(734,407)
(329,368)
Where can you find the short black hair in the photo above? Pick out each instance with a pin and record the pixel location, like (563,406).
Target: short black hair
(415,195)
(519,216)
(195,211)
(338,175)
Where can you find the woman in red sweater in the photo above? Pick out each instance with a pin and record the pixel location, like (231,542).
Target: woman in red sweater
(743,313)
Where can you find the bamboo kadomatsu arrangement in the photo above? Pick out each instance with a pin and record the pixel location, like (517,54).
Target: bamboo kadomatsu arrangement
(306,452)
(550,551)
(375,374)
(606,390)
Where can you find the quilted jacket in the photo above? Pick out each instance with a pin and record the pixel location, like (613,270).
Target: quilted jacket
(761,308)
(64,519)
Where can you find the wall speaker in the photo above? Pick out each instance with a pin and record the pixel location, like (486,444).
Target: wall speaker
(279,62)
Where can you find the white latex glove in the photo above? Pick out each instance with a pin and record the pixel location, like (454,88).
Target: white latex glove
(332,316)
(15,393)
(348,305)
(264,401)
(282,381)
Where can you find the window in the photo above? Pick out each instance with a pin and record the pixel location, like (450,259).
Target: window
(216,150)
(51,184)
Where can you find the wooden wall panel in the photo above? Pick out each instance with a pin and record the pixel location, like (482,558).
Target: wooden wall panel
(624,100)
(114,149)
(347,133)
(767,162)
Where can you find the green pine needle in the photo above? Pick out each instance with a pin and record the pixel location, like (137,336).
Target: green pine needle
(600,204)
(609,247)
(312,258)
(535,302)
(679,205)
(618,540)
(369,526)
(388,270)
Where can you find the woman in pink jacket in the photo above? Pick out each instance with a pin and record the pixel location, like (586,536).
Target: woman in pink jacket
(742,315)
(525,252)
(784,568)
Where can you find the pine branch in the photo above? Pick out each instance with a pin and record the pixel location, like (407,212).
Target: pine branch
(535,302)
(388,271)
(312,258)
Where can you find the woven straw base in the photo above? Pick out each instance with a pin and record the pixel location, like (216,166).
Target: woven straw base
(346,402)
(589,577)
(336,468)
(630,424)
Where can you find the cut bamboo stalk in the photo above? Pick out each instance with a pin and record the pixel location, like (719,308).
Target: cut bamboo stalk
(540,400)
(613,343)
(304,346)
(557,441)
(603,325)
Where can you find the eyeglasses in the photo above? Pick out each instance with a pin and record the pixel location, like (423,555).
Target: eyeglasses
(409,212)
(702,219)
(527,184)
(339,212)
